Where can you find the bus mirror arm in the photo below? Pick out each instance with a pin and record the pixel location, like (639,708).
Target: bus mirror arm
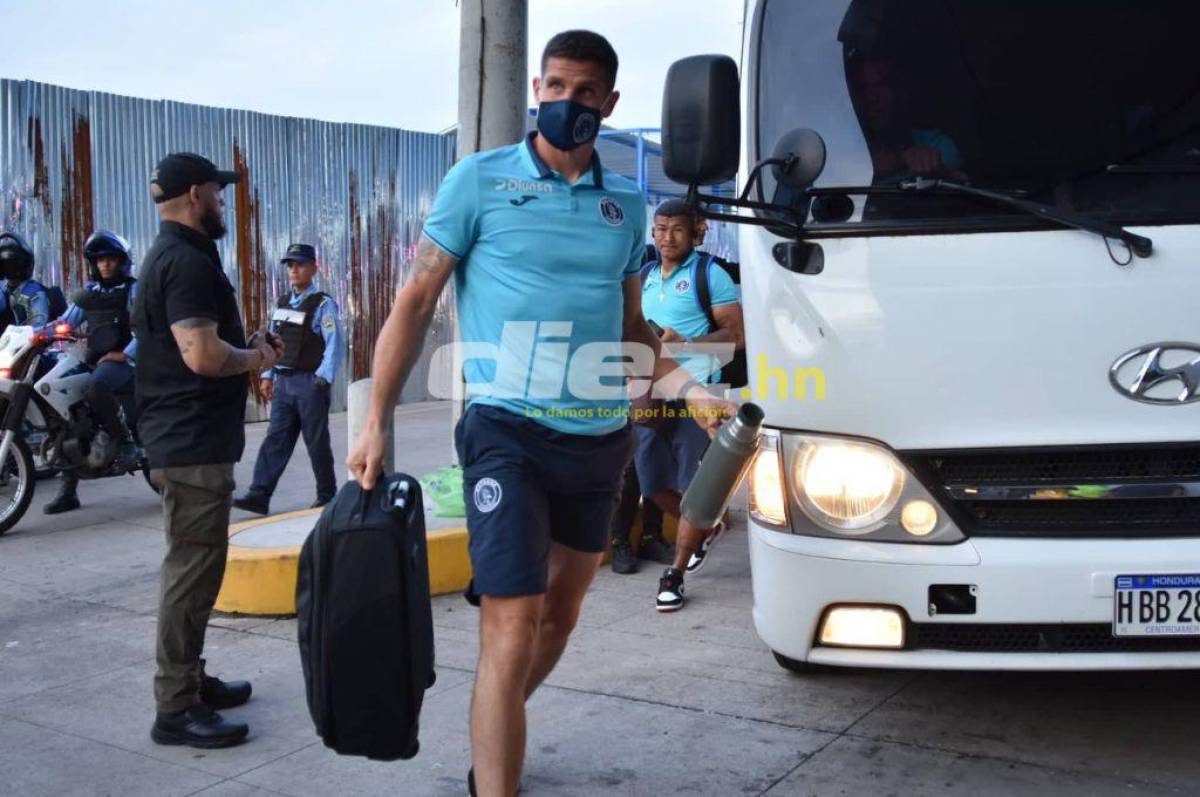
(703,204)
(785,164)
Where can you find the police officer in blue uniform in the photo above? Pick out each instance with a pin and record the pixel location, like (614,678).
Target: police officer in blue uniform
(25,297)
(104,307)
(299,386)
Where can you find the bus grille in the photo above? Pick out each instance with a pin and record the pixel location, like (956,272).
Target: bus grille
(1119,491)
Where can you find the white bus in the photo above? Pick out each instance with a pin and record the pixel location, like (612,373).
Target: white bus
(971,281)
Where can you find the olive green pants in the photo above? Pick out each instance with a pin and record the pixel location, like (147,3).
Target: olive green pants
(196,502)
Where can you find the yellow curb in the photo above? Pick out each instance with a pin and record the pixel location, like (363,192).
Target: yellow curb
(262,581)
(449,563)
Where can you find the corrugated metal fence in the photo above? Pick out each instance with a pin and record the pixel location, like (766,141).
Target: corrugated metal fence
(73,161)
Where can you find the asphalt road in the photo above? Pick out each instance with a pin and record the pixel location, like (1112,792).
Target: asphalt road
(642,703)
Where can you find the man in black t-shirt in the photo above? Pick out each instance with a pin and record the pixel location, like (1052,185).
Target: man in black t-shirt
(191,385)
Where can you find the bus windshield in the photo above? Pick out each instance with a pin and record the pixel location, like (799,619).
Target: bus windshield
(1093,107)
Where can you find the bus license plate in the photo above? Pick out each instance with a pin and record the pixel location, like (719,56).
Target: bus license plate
(1159,605)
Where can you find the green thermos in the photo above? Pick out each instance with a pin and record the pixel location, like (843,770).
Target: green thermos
(722,468)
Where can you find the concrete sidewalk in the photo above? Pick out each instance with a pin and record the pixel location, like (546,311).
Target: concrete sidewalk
(642,703)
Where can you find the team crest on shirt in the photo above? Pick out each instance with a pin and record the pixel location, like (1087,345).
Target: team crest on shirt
(487,494)
(610,211)
(683,286)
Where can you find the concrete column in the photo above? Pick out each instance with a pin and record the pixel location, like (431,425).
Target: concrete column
(493,86)
(493,91)
(358,401)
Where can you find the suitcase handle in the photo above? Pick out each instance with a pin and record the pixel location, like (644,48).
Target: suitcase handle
(395,498)
(392,498)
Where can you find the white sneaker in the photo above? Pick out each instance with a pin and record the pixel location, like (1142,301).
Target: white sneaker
(670,591)
(697,559)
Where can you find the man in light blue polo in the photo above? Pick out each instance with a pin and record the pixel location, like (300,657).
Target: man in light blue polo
(544,246)
(693,300)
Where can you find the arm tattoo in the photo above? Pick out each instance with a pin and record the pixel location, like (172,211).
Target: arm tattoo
(237,362)
(431,260)
(191,335)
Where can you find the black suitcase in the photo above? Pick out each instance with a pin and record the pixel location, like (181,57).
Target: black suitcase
(364,619)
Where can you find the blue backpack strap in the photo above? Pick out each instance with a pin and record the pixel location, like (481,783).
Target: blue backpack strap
(644,274)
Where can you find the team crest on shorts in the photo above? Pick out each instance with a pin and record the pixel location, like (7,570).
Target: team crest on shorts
(487,494)
(610,210)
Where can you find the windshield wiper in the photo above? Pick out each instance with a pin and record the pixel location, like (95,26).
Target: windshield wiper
(1139,245)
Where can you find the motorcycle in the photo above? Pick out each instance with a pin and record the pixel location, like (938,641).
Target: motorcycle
(42,399)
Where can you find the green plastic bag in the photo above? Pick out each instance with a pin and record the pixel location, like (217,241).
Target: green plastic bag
(444,492)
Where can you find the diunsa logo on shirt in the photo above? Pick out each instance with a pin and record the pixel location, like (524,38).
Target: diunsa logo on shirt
(610,211)
(521,186)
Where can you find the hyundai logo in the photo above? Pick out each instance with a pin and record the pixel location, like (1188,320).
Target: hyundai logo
(1137,373)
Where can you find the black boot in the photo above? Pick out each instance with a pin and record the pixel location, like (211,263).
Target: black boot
(623,559)
(66,500)
(216,693)
(198,726)
(655,548)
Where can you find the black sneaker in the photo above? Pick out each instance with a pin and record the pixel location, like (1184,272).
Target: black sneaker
(697,559)
(656,549)
(253,502)
(198,726)
(670,591)
(320,502)
(623,560)
(218,694)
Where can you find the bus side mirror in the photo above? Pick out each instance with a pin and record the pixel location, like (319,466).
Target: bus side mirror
(803,153)
(701,121)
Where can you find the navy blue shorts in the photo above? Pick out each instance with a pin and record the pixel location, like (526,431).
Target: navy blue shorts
(668,455)
(525,486)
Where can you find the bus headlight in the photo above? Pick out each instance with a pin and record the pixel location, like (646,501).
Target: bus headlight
(845,486)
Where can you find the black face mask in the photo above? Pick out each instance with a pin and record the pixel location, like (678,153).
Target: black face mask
(213,224)
(567,124)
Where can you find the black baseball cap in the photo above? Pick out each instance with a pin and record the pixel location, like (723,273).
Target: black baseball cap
(179,171)
(301,253)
